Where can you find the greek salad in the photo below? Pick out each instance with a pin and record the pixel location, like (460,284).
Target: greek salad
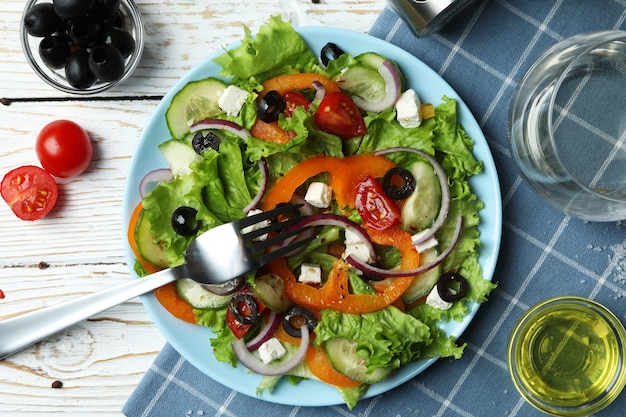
(382,180)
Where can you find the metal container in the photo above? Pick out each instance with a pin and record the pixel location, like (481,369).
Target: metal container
(427,16)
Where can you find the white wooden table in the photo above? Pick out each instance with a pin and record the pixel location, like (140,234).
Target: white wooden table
(100,361)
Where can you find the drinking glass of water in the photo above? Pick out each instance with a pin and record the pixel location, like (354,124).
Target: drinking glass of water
(568,126)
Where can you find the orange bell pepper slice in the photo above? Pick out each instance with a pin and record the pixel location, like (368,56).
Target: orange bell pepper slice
(345,174)
(334,293)
(298,81)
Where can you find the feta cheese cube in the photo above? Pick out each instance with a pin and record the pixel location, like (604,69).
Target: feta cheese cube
(271,350)
(310,273)
(256,226)
(319,195)
(408,109)
(359,251)
(356,247)
(232,100)
(434,300)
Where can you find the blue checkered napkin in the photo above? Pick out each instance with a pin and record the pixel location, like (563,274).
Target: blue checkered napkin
(483,54)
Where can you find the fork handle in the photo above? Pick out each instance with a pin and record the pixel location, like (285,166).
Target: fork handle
(22,331)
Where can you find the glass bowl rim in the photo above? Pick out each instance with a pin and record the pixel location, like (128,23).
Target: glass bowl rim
(594,405)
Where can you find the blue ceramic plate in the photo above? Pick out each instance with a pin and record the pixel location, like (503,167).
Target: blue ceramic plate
(193,341)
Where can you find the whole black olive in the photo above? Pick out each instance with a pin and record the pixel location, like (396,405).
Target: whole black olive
(398,183)
(54,51)
(184,221)
(85,32)
(296,317)
(452,286)
(69,9)
(106,62)
(123,41)
(41,20)
(271,106)
(106,10)
(77,70)
(203,143)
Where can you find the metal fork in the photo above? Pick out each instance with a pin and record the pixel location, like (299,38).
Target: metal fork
(216,256)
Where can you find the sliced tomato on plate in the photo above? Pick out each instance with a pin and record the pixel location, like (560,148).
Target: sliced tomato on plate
(377,209)
(30,192)
(338,115)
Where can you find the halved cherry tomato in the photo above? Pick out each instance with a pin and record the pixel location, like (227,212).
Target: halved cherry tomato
(376,208)
(338,115)
(294,100)
(30,192)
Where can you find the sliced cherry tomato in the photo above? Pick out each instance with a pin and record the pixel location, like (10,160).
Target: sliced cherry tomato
(30,192)
(377,209)
(63,148)
(294,100)
(338,115)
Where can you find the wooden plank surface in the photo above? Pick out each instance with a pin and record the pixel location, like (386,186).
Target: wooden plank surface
(101,360)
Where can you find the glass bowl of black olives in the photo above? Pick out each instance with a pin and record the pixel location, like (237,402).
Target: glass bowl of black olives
(82,46)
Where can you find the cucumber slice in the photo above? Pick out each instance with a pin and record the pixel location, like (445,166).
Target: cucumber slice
(343,357)
(364,82)
(270,288)
(423,283)
(421,207)
(196,101)
(371,60)
(149,250)
(179,155)
(199,297)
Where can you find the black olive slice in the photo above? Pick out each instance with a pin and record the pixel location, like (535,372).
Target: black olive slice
(271,106)
(398,183)
(202,142)
(184,221)
(330,51)
(244,308)
(452,286)
(296,317)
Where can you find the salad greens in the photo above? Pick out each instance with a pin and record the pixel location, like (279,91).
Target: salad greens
(221,183)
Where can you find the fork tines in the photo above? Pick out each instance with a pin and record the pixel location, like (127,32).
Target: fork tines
(272,216)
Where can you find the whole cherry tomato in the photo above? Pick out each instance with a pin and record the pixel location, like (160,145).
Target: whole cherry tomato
(30,192)
(64,148)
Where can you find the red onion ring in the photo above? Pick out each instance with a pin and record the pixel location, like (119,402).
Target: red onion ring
(152,177)
(267,331)
(389,273)
(393,85)
(221,124)
(330,219)
(252,363)
(320,90)
(443,182)
(262,187)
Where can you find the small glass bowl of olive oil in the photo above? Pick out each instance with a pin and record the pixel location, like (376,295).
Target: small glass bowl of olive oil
(567,356)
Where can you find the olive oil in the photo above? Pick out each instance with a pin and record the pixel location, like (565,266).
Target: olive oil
(568,356)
